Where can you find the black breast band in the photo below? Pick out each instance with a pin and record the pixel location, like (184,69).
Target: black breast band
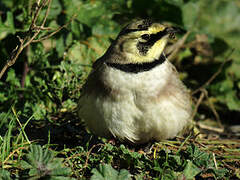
(136,68)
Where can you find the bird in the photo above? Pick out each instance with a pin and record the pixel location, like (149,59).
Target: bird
(133,92)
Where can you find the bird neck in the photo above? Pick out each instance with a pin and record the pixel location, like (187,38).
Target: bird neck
(138,67)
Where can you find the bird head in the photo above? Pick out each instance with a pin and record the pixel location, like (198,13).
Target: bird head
(142,41)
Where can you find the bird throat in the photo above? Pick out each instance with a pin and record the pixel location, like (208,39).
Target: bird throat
(137,67)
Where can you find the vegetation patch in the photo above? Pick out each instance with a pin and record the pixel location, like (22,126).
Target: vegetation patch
(47,48)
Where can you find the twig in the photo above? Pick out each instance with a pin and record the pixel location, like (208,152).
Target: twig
(24,75)
(13,58)
(198,103)
(199,143)
(22,128)
(215,129)
(204,91)
(215,74)
(200,99)
(28,39)
(56,31)
(213,110)
(91,47)
(183,143)
(42,28)
(178,45)
(228,166)
(17,51)
(35,17)
(12,153)
(89,152)
(46,14)
(214,160)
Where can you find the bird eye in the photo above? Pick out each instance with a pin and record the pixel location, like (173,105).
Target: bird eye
(145,37)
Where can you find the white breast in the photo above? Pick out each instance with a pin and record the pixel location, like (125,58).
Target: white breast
(148,105)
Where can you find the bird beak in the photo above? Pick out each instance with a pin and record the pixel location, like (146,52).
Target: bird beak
(172,30)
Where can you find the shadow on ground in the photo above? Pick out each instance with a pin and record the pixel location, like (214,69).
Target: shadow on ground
(65,130)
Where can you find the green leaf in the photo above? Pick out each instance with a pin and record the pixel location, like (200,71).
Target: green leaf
(190,16)
(11,77)
(99,17)
(184,54)
(200,158)
(8,3)
(8,26)
(3,97)
(60,46)
(133,154)
(10,22)
(106,172)
(42,163)
(68,104)
(174,160)
(4,175)
(220,173)
(94,11)
(223,19)
(39,110)
(78,53)
(106,28)
(219,18)
(55,10)
(234,69)
(175,2)
(191,170)
(69,39)
(232,101)
(124,175)
(168,174)
(225,92)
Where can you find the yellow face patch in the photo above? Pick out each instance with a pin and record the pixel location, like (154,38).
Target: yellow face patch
(155,28)
(144,45)
(156,50)
(134,56)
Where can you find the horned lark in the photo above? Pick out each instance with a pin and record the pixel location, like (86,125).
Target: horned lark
(133,92)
